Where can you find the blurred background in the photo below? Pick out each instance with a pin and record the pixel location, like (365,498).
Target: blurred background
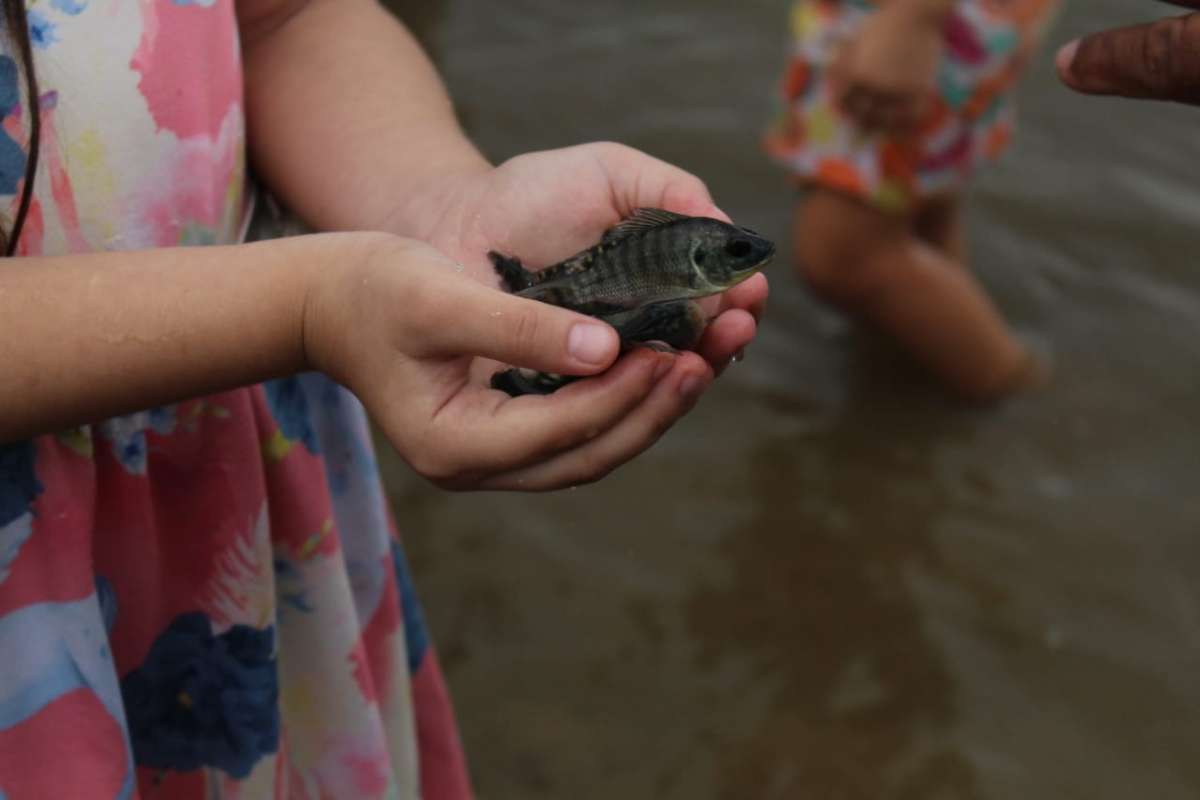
(830,581)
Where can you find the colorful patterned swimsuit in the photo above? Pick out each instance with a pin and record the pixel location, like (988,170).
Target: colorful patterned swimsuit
(987,45)
(204,600)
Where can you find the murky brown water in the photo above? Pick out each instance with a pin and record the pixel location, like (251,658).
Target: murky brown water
(829,581)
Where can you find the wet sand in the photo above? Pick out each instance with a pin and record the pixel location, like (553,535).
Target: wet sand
(830,581)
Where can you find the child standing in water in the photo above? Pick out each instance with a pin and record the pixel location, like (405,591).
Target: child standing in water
(891,106)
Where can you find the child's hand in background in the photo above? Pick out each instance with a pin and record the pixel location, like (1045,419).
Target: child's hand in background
(886,75)
(415,340)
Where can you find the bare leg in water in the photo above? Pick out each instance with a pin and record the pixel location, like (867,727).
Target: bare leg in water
(940,222)
(909,280)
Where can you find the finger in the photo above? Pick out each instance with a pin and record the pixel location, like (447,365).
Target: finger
(640,181)
(486,432)
(873,118)
(1159,60)
(453,316)
(749,295)
(856,103)
(672,398)
(893,109)
(868,108)
(726,336)
(906,117)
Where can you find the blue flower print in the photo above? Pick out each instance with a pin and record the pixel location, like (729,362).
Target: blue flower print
(106,598)
(289,406)
(128,435)
(290,590)
(10,93)
(42,32)
(72,7)
(13,537)
(18,481)
(12,156)
(416,635)
(202,700)
(18,488)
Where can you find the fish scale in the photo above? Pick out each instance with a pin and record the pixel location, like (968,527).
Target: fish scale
(641,278)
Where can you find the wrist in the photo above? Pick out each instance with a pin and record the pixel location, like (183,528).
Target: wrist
(923,13)
(338,284)
(429,193)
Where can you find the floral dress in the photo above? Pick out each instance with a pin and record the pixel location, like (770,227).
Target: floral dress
(208,599)
(987,44)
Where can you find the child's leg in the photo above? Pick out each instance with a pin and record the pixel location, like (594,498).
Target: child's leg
(940,223)
(874,266)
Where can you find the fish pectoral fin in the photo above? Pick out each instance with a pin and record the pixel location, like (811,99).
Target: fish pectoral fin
(658,347)
(677,324)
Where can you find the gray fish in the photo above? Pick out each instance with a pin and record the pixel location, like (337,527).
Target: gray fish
(642,278)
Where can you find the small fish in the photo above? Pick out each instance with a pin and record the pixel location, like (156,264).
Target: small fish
(642,278)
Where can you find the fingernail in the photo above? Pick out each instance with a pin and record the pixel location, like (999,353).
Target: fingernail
(1066,56)
(663,366)
(591,344)
(691,387)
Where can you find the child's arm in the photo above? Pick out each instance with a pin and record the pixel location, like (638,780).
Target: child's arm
(86,337)
(348,120)
(350,125)
(886,75)
(932,12)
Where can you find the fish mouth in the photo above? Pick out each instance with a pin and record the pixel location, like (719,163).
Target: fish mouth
(768,255)
(743,274)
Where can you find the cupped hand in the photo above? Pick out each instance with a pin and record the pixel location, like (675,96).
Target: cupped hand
(1157,60)
(411,336)
(547,206)
(884,78)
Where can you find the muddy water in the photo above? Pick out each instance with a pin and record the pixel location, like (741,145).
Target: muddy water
(829,581)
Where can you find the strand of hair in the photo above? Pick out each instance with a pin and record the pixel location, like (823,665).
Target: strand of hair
(18,26)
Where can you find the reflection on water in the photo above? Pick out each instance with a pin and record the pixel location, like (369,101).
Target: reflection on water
(820,591)
(829,581)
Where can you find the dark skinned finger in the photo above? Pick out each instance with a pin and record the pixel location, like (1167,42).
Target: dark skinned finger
(1158,60)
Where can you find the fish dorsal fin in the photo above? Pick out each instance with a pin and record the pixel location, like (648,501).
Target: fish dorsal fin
(643,219)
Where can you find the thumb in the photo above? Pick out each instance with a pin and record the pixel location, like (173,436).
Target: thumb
(480,321)
(1159,60)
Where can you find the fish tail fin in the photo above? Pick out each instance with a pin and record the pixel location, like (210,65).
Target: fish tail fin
(513,276)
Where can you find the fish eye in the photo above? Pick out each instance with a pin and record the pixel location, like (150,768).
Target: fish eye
(698,257)
(738,248)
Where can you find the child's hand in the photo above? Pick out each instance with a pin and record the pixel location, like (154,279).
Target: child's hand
(414,339)
(544,207)
(885,77)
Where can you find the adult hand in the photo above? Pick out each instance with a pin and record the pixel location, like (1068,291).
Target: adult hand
(1157,60)
(414,339)
(544,207)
